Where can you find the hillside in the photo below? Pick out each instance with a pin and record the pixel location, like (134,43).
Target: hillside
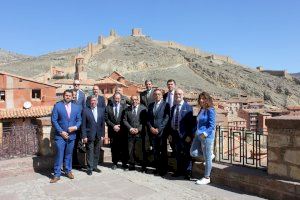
(140,58)
(9,57)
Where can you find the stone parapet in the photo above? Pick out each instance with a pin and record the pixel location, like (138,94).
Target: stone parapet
(252,181)
(284,146)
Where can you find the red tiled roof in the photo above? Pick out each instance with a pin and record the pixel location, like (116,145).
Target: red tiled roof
(27,79)
(109,80)
(40,111)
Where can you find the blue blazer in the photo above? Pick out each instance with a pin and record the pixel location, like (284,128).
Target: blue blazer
(89,127)
(81,99)
(185,120)
(206,122)
(160,118)
(61,122)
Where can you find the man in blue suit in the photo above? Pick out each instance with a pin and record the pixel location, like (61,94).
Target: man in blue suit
(157,120)
(80,96)
(181,124)
(66,119)
(93,127)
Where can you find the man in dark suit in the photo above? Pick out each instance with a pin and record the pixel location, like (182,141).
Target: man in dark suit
(135,121)
(169,98)
(66,119)
(93,127)
(157,120)
(124,99)
(146,97)
(114,114)
(80,96)
(182,129)
(100,99)
(78,99)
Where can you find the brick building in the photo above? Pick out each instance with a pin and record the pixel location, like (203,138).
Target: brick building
(16,90)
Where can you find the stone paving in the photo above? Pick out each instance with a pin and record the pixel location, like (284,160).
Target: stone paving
(110,184)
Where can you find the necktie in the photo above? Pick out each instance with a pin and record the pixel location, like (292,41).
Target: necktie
(170,99)
(176,120)
(95,114)
(134,111)
(116,111)
(68,108)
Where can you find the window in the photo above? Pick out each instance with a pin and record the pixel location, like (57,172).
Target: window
(36,94)
(2,95)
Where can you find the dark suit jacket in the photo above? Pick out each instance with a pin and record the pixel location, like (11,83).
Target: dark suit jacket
(101,101)
(146,101)
(186,124)
(135,121)
(160,118)
(90,128)
(111,120)
(124,100)
(62,122)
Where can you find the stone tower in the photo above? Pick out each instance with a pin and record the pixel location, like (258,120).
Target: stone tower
(80,72)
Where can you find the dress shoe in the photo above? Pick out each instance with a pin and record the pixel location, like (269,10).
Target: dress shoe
(54,179)
(188,175)
(97,170)
(144,170)
(176,174)
(131,167)
(89,172)
(125,167)
(70,175)
(114,167)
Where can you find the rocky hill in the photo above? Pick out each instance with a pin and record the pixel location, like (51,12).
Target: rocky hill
(296,75)
(10,57)
(140,58)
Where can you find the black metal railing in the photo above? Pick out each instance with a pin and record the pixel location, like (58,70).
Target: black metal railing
(18,141)
(241,147)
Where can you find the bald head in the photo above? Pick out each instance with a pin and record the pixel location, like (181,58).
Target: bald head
(178,95)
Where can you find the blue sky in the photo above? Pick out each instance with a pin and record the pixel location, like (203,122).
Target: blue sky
(253,32)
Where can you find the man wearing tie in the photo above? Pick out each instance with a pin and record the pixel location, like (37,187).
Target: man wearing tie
(182,130)
(100,99)
(169,98)
(114,114)
(66,119)
(157,120)
(93,127)
(78,99)
(146,97)
(80,96)
(124,99)
(135,121)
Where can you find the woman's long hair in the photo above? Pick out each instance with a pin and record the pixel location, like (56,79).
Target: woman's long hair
(209,102)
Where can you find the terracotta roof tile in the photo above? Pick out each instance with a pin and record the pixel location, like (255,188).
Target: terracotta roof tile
(40,111)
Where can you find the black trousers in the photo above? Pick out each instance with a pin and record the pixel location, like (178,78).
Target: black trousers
(93,153)
(119,149)
(133,142)
(182,154)
(160,153)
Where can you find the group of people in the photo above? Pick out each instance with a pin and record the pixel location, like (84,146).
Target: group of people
(151,117)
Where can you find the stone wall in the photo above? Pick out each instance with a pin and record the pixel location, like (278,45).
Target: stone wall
(284,146)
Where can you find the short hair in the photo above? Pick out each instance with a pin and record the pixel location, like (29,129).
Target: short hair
(148,80)
(117,93)
(135,96)
(157,89)
(179,89)
(76,81)
(94,97)
(67,91)
(171,80)
(96,86)
(208,98)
